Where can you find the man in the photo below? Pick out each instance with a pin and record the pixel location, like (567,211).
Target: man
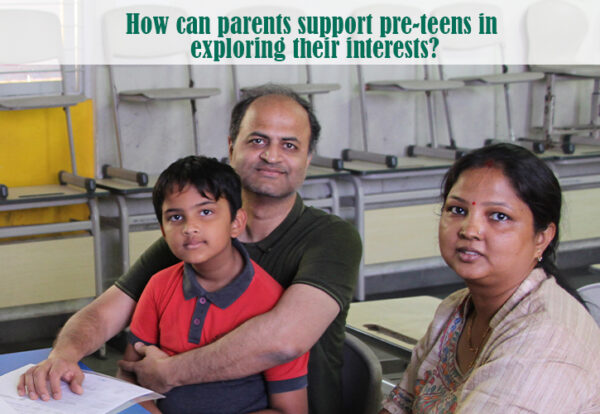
(312,254)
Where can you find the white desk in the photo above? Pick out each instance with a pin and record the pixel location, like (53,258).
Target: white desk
(49,276)
(393,319)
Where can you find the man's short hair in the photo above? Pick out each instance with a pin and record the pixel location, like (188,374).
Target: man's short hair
(252,94)
(207,175)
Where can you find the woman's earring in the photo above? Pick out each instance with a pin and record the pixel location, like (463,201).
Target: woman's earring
(539,259)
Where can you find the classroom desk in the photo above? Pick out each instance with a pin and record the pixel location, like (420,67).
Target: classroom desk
(415,180)
(22,258)
(12,361)
(396,324)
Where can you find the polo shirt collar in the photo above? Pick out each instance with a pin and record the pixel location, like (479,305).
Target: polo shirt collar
(297,209)
(225,296)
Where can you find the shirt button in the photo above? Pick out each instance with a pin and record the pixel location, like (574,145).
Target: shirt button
(196,321)
(202,300)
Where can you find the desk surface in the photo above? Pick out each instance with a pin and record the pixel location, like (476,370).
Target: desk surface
(404,164)
(315,171)
(47,193)
(12,361)
(393,319)
(582,151)
(124,187)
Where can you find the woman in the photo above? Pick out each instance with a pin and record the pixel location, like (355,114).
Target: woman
(514,340)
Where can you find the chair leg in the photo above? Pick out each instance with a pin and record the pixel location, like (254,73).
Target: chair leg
(115,111)
(595,110)
(549,101)
(447,111)
(71,141)
(194,111)
(363,107)
(511,132)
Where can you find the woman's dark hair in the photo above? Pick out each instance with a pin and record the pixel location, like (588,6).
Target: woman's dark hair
(535,184)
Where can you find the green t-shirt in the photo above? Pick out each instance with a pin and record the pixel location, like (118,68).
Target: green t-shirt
(311,247)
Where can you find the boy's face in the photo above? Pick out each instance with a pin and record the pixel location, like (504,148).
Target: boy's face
(196,228)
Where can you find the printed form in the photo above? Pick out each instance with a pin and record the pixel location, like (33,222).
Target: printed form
(101,394)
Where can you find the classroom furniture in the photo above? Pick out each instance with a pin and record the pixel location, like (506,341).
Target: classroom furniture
(166,46)
(361,378)
(36,281)
(557,22)
(588,134)
(392,210)
(427,86)
(423,82)
(11,361)
(591,297)
(482,49)
(33,50)
(44,276)
(395,324)
(308,87)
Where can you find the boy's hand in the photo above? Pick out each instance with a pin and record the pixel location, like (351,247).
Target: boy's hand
(150,370)
(34,382)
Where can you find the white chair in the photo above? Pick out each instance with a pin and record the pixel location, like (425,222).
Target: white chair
(46,49)
(170,47)
(426,85)
(480,49)
(558,25)
(591,297)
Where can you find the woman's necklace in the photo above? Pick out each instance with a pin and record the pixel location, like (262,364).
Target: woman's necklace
(475,349)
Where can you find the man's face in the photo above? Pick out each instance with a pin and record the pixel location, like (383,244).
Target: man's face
(271,152)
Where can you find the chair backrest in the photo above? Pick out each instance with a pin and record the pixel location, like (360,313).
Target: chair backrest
(286,74)
(471,47)
(361,378)
(555,25)
(30,47)
(119,45)
(591,297)
(45,52)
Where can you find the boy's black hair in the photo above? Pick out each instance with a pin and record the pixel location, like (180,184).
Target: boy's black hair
(209,176)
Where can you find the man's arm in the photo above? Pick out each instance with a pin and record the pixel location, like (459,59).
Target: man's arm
(93,325)
(292,402)
(83,334)
(131,355)
(287,331)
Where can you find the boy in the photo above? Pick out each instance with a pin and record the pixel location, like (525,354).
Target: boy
(217,287)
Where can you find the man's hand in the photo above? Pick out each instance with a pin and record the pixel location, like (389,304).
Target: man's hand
(34,382)
(151,370)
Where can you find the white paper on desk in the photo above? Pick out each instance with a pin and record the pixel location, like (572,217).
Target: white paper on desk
(5,408)
(101,394)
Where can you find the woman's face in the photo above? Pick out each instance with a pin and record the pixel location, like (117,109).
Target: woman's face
(486,232)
